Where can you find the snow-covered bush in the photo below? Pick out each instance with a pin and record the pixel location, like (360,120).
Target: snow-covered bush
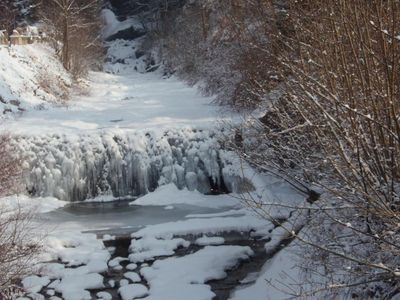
(335,124)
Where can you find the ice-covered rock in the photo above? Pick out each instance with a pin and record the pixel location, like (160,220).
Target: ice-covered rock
(34,283)
(75,287)
(133,291)
(104,296)
(147,248)
(132,276)
(131,267)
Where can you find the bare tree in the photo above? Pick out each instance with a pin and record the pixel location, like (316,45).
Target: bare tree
(8,16)
(75,25)
(18,244)
(334,124)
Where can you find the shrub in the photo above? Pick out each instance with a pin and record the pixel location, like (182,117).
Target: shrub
(18,245)
(335,124)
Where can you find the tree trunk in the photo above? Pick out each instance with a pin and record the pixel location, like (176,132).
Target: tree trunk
(65,49)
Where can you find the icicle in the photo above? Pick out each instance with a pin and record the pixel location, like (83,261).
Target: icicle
(122,165)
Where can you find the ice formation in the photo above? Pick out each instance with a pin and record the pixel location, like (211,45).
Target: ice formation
(123,163)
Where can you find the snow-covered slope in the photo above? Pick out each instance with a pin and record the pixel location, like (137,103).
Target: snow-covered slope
(31,78)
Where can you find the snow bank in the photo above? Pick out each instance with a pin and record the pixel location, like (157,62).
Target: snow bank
(115,262)
(33,284)
(37,205)
(229,213)
(131,267)
(75,287)
(83,257)
(104,296)
(185,277)
(132,276)
(31,77)
(76,249)
(202,226)
(279,279)
(170,194)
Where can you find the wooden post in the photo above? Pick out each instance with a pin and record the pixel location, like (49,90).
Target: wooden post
(3,37)
(15,38)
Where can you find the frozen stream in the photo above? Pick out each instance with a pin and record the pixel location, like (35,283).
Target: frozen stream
(118,218)
(154,139)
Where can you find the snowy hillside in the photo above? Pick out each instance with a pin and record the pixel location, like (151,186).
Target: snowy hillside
(31,79)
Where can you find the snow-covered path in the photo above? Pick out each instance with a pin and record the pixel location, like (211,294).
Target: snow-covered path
(129,101)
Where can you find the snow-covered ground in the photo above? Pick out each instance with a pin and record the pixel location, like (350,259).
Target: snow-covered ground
(133,133)
(136,101)
(31,79)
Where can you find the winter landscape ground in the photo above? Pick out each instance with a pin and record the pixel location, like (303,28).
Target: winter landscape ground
(91,161)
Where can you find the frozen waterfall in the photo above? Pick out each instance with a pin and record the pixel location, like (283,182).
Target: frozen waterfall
(123,164)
